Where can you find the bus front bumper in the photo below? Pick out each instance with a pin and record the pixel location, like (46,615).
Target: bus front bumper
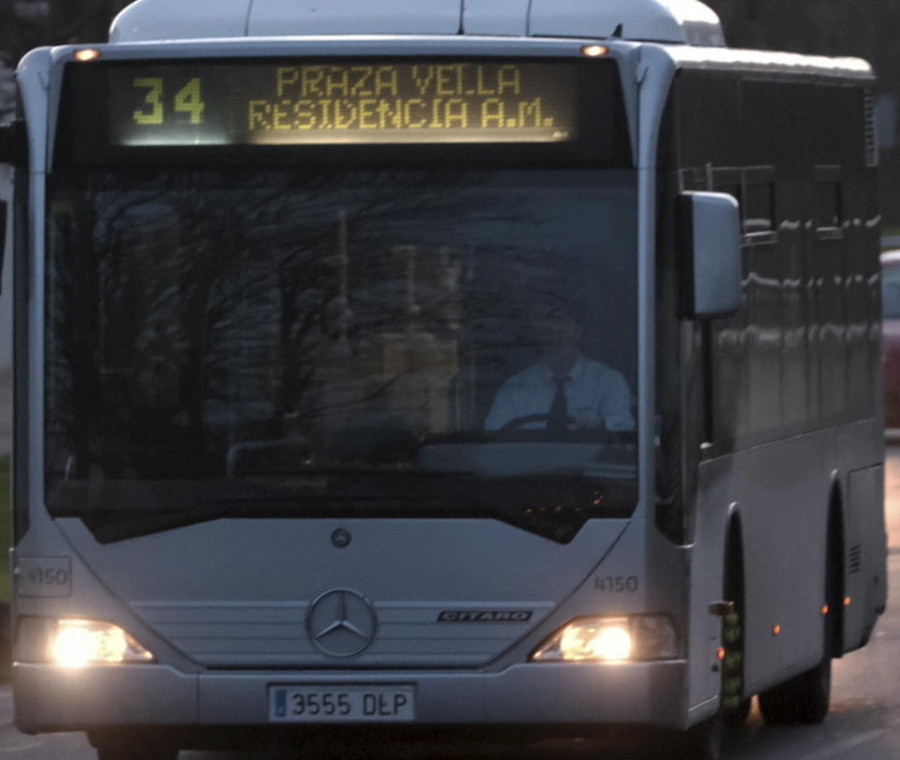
(551,695)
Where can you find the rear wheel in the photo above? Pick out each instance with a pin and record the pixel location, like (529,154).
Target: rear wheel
(804,699)
(807,698)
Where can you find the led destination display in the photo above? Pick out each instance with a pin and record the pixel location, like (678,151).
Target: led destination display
(188,103)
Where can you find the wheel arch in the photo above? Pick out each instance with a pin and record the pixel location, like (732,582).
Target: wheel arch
(733,578)
(735,704)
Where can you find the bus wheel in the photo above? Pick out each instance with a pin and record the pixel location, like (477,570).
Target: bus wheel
(735,709)
(124,745)
(804,699)
(703,741)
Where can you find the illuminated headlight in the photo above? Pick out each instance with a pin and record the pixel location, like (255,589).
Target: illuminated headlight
(611,639)
(74,643)
(91,642)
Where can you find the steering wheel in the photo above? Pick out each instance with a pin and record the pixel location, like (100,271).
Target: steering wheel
(517,422)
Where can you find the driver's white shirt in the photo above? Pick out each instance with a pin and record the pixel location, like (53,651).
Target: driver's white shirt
(593,389)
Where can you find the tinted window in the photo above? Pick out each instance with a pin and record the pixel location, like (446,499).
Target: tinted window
(211,325)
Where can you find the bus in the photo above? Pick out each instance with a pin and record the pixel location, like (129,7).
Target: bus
(503,368)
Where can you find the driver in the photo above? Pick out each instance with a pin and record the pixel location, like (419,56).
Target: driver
(564,390)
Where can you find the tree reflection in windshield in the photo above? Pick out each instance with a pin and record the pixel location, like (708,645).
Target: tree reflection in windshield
(196,319)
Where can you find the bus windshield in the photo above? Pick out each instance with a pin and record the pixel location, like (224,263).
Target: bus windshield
(320,341)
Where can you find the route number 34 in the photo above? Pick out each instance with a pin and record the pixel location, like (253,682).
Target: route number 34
(617,584)
(188,100)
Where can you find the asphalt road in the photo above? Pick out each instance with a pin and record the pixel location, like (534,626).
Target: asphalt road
(864,723)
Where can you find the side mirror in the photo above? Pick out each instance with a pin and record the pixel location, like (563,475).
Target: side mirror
(710,236)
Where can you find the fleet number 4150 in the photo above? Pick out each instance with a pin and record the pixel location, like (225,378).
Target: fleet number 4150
(617,584)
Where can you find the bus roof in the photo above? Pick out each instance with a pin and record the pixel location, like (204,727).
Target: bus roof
(667,21)
(765,61)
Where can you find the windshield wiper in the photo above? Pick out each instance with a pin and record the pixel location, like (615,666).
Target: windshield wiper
(553,506)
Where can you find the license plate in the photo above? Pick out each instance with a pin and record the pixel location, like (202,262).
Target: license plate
(341,704)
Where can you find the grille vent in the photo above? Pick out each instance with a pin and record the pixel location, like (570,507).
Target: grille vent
(871,128)
(855,559)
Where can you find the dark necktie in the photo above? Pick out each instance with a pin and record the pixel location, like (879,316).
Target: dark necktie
(559,409)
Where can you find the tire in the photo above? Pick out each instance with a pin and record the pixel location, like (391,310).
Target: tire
(735,709)
(806,698)
(703,741)
(735,718)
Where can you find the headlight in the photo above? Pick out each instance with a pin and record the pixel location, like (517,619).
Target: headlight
(611,639)
(75,643)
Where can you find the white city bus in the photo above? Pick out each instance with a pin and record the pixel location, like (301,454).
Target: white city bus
(292,286)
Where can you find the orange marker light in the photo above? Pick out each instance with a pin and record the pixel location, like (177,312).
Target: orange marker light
(86,55)
(720,653)
(825,609)
(776,629)
(595,51)
(847,601)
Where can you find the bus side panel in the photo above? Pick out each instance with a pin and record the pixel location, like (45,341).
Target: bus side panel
(783,624)
(785,392)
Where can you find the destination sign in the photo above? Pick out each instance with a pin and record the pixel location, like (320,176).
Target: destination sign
(264,102)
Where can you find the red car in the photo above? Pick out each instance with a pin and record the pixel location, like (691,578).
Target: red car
(890,301)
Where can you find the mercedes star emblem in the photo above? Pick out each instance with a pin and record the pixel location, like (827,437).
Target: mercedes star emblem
(341,623)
